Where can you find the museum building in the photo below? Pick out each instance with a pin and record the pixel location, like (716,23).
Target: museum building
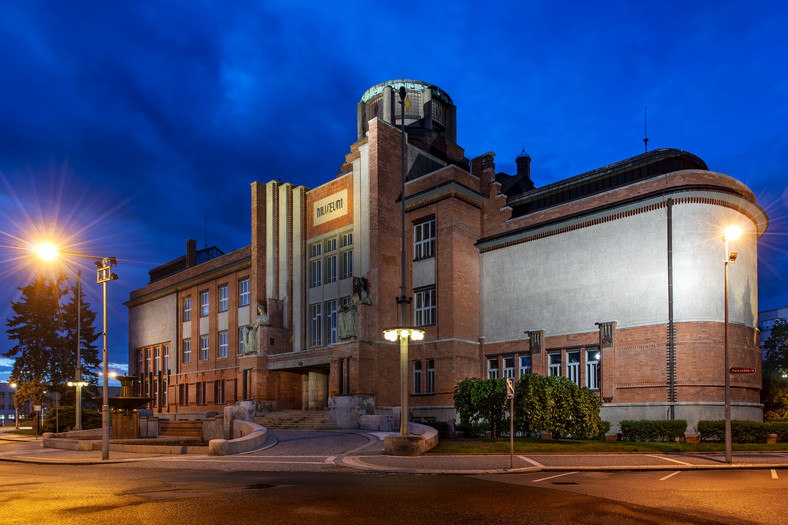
(613,278)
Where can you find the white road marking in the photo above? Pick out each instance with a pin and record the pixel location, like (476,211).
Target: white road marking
(531,461)
(670,475)
(330,460)
(774,474)
(668,459)
(556,476)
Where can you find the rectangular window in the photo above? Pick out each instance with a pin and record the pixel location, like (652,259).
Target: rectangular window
(187,309)
(224,298)
(200,393)
(344,375)
(331,245)
(417,377)
(508,367)
(424,240)
(347,264)
(331,268)
(223,344)
(140,369)
(203,347)
(554,365)
(243,292)
(204,303)
(240,341)
(525,365)
(218,392)
(166,353)
(331,318)
(155,393)
(187,351)
(425,307)
(315,273)
(315,314)
(346,240)
(315,249)
(430,376)
(148,366)
(592,369)
(183,394)
(164,394)
(156,360)
(573,367)
(492,368)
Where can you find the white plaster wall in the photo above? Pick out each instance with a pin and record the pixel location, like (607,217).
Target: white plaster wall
(424,272)
(361,212)
(699,270)
(615,271)
(153,322)
(299,226)
(222,321)
(270,214)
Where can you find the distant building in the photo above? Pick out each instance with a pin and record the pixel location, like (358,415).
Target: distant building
(766,320)
(7,412)
(613,278)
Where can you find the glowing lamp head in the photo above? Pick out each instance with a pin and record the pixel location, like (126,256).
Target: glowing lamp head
(47,251)
(732,233)
(390,335)
(416,335)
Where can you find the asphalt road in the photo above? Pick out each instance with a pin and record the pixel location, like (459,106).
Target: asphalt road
(120,494)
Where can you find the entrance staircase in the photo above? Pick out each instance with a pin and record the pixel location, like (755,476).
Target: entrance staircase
(296,419)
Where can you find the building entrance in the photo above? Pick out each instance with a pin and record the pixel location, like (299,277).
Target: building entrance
(314,390)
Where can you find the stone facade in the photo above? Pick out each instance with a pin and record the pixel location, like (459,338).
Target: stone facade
(613,278)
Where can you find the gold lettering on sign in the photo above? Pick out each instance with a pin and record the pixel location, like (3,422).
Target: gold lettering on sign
(330,208)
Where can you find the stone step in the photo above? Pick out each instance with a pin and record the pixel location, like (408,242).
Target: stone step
(296,419)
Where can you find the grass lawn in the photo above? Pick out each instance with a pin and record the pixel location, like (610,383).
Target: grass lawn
(572,446)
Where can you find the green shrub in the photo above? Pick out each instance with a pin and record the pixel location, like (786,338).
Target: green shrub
(475,429)
(441,426)
(653,430)
(66,419)
(743,431)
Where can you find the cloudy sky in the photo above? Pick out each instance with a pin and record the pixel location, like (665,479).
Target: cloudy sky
(127,128)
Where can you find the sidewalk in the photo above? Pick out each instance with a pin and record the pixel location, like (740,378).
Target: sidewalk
(370,458)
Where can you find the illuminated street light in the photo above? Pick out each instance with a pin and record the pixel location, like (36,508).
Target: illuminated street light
(16,407)
(104,274)
(731,233)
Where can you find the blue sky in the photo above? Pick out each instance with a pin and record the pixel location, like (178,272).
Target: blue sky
(127,128)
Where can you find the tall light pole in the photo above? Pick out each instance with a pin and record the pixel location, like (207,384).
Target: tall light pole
(104,274)
(16,406)
(730,234)
(403,331)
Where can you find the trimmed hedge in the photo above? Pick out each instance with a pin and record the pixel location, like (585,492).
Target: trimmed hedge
(653,430)
(743,431)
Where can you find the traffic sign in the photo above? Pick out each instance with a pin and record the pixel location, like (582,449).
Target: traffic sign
(509,388)
(741,370)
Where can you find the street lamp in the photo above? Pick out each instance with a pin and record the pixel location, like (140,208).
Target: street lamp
(16,407)
(403,333)
(104,274)
(731,233)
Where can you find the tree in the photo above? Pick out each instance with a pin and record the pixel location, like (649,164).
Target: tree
(44,330)
(774,394)
(481,399)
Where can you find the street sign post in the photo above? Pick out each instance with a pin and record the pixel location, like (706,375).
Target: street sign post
(510,397)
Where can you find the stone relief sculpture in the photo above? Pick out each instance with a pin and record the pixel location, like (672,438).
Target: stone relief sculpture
(348,314)
(250,330)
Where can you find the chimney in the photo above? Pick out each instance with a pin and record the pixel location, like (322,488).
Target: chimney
(191,253)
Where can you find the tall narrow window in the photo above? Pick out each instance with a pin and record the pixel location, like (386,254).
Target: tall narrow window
(223,343)
(331,244)
(187,309)
(164,394)
(573,367)
(347,239)
(525,365)
(508,367)
(315,273)
(203,347)
(592,369)
(424,240)
(204,303)
(156,360)
(554,364)
(240,341)
(347,264)
(218,392)
(315,312)
(425,307)
(224,298)
(243,292)
(331,268)
(140,368)
(417,377)
(187,351)
(166,352)
(492,368)
(430,376)
(148,365)
(331,321)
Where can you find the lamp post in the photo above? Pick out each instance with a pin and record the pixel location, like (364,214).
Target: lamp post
(104,274)
(730,234)
(16,407)
(403,331)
